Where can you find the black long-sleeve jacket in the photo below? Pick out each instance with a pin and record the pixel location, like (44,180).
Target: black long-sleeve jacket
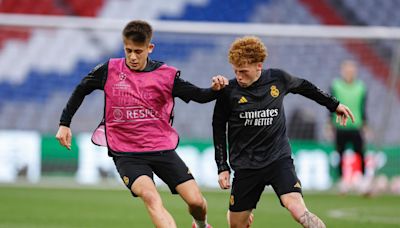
(254,119)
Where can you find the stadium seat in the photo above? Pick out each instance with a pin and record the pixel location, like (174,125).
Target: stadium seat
(43,78)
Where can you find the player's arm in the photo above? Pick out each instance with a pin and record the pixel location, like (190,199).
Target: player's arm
(94,80)
(364,108)
(329,127)
(309,90)
(220,119)
(343,113)
(366,130)
(189,92)
(312,92)
(331,91)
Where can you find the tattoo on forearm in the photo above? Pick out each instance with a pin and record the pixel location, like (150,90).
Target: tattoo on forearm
(309,220)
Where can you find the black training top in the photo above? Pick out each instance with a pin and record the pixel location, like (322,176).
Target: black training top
(98,76)
(256,119)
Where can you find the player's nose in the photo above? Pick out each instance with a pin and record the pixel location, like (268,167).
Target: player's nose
(132,57)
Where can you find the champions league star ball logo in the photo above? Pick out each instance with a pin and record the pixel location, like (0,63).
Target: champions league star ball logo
(118,114)
(122,76)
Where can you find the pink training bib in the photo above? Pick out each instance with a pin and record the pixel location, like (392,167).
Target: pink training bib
(138,110)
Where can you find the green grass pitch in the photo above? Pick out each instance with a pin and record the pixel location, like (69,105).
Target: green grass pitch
(28,207)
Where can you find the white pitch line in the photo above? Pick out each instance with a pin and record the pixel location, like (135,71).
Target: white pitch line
(354,214)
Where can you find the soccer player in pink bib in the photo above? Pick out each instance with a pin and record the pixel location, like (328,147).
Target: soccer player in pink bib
(139,100)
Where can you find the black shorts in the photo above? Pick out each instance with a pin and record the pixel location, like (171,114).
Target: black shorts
(248,184)
(354,137)
(168,166)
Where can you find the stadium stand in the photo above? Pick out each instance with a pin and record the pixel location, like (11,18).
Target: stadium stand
(38,85)
(368,14)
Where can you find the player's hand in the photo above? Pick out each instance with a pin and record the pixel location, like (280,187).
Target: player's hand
(64,136)
(219,82)
(342,114)
(224,180)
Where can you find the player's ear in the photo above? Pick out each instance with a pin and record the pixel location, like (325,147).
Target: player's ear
(151,47)
(259,66)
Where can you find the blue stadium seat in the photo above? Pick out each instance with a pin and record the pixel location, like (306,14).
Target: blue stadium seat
(220,11)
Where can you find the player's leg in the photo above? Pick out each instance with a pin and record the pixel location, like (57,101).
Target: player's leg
(243,216)
(365,184)
(358,143)
(240,219)
(295,204)
(145,188)
(340,144)
(247,187)
(197,205)
(174,172)
(288,188)
(342,138)
(138,177)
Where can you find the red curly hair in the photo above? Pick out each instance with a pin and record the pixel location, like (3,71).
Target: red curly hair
(247,50)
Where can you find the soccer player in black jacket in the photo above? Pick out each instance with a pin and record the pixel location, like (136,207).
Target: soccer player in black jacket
(251,112)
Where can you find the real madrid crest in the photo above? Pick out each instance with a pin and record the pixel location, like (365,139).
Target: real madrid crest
(232,200)
(274,91)
(126,180)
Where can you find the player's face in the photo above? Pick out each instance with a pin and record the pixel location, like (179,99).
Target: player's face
(247,74)
(349,71)
(136,54)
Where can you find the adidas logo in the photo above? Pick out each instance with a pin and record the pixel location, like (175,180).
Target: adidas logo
(242,100)
(297,185)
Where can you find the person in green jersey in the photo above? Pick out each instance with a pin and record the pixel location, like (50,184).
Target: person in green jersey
(352,92)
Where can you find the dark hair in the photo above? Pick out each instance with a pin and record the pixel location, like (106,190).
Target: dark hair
(138,31)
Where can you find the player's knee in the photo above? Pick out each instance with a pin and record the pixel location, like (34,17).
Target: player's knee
(295,206)
(296,209)
(151,199)
(197,202)
(237,223)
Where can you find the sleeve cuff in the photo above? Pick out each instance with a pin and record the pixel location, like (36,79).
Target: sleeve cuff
(224,167)
(333,106)
(64,124)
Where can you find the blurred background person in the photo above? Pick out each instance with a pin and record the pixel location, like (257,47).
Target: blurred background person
(353,92)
